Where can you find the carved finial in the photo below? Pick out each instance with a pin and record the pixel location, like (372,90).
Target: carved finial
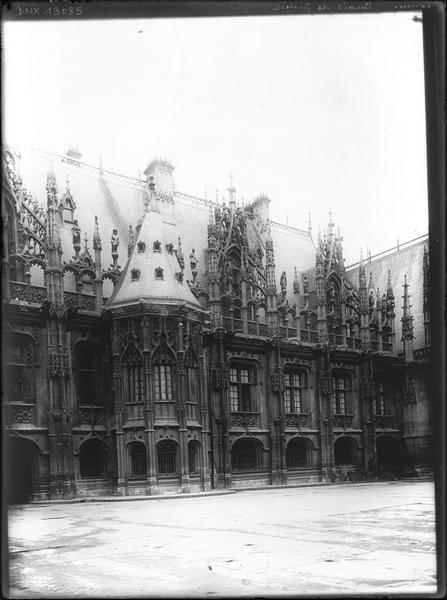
(309,226)
(96,237)
(85,242)
(407,319)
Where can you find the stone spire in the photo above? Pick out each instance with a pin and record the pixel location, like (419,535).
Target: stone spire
(97,247)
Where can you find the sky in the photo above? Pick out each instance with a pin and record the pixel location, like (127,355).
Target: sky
(320,112)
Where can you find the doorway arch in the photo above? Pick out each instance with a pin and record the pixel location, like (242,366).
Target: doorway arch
(389,453)
(21,471)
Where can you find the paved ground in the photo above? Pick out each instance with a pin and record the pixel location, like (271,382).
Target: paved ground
(360,538)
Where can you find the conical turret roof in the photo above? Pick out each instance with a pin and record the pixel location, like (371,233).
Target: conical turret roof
(153,272)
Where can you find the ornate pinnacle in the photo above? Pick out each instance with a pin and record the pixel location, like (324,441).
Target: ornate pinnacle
(131,241)
(407,319)
(85,242)
(51,189)
(96,237)
(389,287)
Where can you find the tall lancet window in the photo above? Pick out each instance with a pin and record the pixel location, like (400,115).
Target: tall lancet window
(163,378)
(133,380)
(192,382)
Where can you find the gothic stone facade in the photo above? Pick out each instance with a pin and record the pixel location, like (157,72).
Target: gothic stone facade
(222,370)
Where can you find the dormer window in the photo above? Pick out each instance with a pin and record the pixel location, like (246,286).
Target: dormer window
(170,248)
(157,246)
(179,276)
(135,275)
(141,246)
(159,273)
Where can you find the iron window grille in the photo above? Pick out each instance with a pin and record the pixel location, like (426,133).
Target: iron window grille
(245,456)
(167,458)
(91,459)
(296,455)
(138,460)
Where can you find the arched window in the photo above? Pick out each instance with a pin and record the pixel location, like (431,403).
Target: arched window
(243,385)
(87,362)
(345,451)
(295,391)
(19,369)
(297,454)
(194,457)
(245,455)
(163,383)
(192,382)
(157,246)
(251,311)
(137,452)
(380,399)
(92,459)
(167,458)
(133,380)
(340,395)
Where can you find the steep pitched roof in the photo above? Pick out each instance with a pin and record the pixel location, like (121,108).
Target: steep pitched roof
(153,272)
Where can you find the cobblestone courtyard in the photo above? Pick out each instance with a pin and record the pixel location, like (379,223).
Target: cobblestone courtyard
(359,538)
